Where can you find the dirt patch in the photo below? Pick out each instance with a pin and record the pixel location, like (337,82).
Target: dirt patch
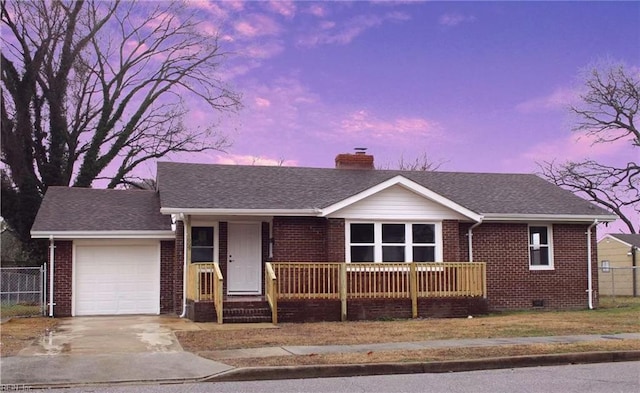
(429,355)
(19,333)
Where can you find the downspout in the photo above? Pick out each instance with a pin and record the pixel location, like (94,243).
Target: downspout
(184,267)
(634,263)
(589,273)
(470,236)
(52,255)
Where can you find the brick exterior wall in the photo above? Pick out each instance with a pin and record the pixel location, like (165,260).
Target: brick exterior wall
(512,285)
(63,278)
(167,258)
(300,239)
(335,240)
(450,244)
(371,309)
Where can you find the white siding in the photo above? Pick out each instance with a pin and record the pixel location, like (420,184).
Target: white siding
(397,203)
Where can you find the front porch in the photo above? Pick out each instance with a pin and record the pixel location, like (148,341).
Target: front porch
(344,291)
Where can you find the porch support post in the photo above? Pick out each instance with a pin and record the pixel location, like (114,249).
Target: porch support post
(413,289)
(343,291)
(484,280)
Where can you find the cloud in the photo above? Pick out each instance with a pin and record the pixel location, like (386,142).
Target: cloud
(256,25)
(576,147)
(262,102)
(362,122)
(263,50)
(284,8)
(212,7)
(317,10)
(559,99)
(454,19)
(330,32)
(238,159)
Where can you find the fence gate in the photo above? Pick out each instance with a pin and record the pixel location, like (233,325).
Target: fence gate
(24,286)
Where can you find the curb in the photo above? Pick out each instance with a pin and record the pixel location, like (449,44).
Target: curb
(353,370)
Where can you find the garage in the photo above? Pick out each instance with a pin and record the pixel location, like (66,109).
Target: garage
(116,278)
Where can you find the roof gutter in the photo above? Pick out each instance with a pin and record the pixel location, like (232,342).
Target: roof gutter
(470,236)
(548,217)
(124,234)
(589,272)
(239,212)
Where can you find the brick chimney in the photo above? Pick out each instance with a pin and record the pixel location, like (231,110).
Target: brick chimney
(359,160)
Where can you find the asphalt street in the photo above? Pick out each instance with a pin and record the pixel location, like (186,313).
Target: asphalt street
(623,377)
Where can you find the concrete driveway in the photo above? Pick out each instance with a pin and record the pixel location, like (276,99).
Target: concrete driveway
(111,335)
(113,349)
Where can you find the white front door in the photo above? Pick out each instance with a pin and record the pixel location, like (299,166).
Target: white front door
(244,266)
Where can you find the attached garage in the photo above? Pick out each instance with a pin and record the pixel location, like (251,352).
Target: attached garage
(114,278)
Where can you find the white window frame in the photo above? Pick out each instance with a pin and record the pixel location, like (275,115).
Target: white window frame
(216,234)
(377,241)
(549,247)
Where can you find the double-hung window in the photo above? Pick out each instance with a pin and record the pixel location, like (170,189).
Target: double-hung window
(540,247)
(202,244)
(393,242)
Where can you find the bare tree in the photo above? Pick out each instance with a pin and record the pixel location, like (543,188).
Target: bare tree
(608,111)
(92,89)
(420,163)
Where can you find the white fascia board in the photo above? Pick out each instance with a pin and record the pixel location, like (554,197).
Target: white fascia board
(410,185)
(549,217)
(240,212)
(103,234)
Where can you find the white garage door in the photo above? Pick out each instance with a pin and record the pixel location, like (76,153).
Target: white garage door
(117,279)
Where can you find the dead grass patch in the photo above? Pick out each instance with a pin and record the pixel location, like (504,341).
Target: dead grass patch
(519,324)
(18,333)
(429,355)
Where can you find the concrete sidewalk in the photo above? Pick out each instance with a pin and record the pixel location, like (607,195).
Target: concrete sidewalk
(64,370)
(410,346)
(74,370)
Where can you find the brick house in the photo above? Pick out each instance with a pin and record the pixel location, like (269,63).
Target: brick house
(320,244)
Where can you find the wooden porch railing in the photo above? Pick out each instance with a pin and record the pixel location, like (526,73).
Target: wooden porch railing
(343,281)
(271,292)
(205,282)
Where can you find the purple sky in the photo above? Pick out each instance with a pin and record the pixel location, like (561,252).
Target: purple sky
(480,86)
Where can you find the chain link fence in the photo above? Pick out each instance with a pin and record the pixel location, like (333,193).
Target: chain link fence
(23,290)
(619,281)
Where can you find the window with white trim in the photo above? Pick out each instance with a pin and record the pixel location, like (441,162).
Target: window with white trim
(393,242)
(202,244)
(540,247)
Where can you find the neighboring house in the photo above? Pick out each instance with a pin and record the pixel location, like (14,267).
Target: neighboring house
(212,234)
(619,256)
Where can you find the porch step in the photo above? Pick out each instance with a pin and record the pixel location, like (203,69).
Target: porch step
(246,312)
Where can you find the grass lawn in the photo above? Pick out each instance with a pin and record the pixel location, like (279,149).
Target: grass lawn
(15,310)
(620,315)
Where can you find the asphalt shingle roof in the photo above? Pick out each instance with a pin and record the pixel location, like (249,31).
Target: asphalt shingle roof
(207,186)
(86,209)
(633,239)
